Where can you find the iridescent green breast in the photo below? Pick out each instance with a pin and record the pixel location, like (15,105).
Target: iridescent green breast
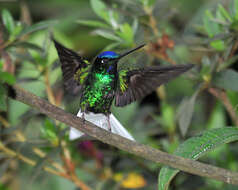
(98,93)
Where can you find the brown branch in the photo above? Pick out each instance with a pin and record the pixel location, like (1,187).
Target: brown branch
(221,95)
(187,165)
(152,21)
(233,50)
(25,12)
(70,167)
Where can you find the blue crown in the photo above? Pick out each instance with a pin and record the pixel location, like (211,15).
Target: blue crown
(108,54)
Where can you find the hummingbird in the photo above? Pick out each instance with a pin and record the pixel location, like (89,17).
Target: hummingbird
(101,82)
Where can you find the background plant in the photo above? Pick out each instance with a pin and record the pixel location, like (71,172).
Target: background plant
(203,101)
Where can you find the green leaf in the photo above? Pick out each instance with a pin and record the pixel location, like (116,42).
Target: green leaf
(114,19)
(27,45)
(1,64)
(106,34)
(126,33)
(8,21)
(37,26)
(168,117)
(217,117)
(224,13)
(100,9)
(220,17)
(93,23)
(7,77)
(111,46)
(185,113)
(151,2)
(9,130)
(196,147)
(3,187)
(226,79)
(49,132)
(211,27)
(236,9)
(3,105)
(38,168)
(234,25)
(219,45)
(18,28)
(23,56)
(41,163)
(148,3)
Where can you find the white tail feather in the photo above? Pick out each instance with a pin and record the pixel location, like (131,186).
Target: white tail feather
(100,120)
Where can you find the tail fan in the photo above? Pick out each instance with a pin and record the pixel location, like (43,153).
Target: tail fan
(100,120)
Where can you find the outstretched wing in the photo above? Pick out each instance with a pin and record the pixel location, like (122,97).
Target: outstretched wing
(75,69)
(136,84)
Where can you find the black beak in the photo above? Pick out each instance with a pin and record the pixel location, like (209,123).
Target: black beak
(126,53)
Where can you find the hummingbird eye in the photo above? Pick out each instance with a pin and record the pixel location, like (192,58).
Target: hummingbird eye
(105,60)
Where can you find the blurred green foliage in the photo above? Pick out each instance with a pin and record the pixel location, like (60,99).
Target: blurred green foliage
(203,101)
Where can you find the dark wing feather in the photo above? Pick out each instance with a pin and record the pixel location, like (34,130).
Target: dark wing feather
(71,64)
(136,84)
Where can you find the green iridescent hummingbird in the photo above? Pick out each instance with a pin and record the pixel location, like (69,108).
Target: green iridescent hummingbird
(100,83)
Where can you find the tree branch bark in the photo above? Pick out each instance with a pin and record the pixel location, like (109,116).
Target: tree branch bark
(149,153)
(221,95)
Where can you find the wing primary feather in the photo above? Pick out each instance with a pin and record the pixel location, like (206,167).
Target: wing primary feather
(141,82)
(73,67)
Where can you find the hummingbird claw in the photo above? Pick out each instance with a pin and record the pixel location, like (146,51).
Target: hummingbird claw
(109,124)
(83,118)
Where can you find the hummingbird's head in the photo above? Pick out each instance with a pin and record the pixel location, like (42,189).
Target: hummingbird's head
(107,58)
(111,57)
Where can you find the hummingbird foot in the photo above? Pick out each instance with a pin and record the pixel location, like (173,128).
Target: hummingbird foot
(83,118)
(109,124)
(101,120)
